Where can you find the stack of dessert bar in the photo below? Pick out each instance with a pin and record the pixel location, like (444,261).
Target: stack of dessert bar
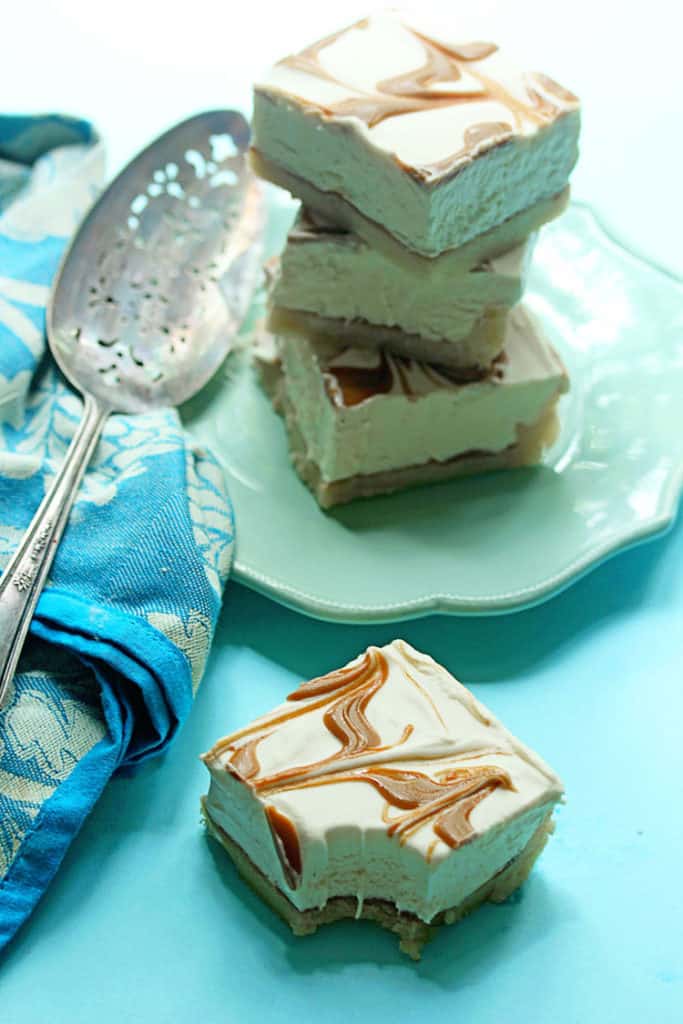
(397,350)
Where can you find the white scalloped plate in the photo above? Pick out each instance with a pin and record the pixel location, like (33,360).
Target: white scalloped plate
(493,543)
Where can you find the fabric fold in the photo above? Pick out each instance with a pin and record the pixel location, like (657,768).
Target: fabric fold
(122,631)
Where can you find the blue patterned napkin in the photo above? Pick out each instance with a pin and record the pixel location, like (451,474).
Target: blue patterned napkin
(122,632)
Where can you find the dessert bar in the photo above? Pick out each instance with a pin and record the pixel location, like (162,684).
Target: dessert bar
(383,790)
(363,422)
(335,282)
(436,140)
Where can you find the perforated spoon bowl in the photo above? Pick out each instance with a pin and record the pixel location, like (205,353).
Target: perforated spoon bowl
(143,310)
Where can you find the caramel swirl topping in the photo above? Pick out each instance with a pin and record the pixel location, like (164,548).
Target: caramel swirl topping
(439,82)
(348,384)
(405,93)
(286,839)
(445,800)
(448,803)
(345,717)
(356,384)
(244,761)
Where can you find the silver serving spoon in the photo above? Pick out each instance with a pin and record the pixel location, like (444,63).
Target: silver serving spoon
(143,310)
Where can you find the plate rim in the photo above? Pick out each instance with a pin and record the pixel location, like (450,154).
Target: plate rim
(442,603)
(453,604)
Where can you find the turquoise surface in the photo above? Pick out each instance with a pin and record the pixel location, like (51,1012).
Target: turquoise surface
(147,921)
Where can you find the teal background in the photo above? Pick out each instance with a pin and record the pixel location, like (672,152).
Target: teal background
(145,923)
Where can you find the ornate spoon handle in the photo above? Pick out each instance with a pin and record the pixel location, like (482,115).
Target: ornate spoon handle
(25,575)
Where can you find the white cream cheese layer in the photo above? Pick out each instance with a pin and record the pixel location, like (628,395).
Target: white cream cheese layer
(337,275)
(360,411)
(303,790)
(436,140)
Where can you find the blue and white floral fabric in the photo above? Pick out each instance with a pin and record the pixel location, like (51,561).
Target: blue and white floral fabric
(122,631)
